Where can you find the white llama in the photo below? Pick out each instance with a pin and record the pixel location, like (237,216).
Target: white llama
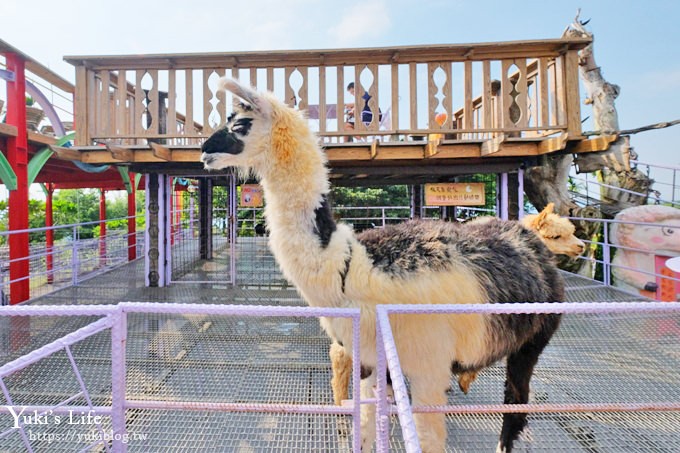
(413,262)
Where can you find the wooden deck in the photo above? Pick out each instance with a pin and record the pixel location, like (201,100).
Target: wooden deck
(449,109)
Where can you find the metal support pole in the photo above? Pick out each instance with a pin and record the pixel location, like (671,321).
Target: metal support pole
(75,262)
(49,233)
(502,190)
(132,221)
(118,387)
(233,225)
(205,213)
(102,227)
(520,193)
(17,155)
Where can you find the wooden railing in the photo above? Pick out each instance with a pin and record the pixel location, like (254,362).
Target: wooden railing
(470,91)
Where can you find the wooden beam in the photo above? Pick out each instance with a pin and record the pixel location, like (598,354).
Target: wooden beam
(552,144)
(374,148)
(432,146)
(121,153)
(9,130)
(161,151)
(493,145)
(593,145)
(65,153)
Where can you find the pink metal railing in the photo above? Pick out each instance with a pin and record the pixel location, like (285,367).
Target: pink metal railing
(115,318)
(388,359)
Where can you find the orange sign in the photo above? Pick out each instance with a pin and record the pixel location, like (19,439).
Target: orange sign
(251,196)
(455,194)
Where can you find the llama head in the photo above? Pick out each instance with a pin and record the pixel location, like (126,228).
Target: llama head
(556,232)
(262,135)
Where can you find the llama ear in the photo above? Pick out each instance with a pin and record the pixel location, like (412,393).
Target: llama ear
(252,97)
(542,216)
(550,208)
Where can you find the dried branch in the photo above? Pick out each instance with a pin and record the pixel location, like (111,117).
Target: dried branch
(650,127)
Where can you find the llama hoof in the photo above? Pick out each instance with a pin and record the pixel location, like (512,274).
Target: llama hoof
(500,449)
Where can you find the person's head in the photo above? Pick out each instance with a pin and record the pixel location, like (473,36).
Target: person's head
(350,88)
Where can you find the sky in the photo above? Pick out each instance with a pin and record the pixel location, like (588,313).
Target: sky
(636,42)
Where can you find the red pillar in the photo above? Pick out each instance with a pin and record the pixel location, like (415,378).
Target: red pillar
(49,234)
(17,155)
(132,222)
(102,227)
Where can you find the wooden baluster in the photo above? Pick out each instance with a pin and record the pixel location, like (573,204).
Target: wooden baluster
(542,93)
(413,95)
(394,112)
(221,96)
(505,96)
(139,104)
(189,128)
(467,95)
(373,102)
(207,106)
(303,93)
(358,98)
(253,77)
(172,104)
(288,89)
(522,87)
(91,122)
(104,104)
(154,105)
(447,90)
(487,103)
(558,87)
(432,101)
(341,98)
(270,79)
(322,100)
(122,115)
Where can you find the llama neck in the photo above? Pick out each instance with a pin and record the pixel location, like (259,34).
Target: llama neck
(300,223)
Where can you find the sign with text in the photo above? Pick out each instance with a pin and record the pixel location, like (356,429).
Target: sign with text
(251,196)
(455,194)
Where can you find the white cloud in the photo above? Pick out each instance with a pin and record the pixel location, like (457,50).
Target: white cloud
(363,21)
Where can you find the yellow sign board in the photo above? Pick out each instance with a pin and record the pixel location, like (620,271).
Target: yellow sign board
(251,196)
(455,194)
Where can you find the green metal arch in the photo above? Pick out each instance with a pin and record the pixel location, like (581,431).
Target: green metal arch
(126,178)
(7,175)
(41,157)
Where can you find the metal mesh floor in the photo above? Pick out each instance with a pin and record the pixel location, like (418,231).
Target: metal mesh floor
(593,358)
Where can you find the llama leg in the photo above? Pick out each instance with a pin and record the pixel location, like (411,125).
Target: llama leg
(520,367)
(341,365)
(368,382)
(430,390)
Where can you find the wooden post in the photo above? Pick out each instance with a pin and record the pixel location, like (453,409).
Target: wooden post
(17,155)
(49,234)
(131,221)
(573,99)
(416,201)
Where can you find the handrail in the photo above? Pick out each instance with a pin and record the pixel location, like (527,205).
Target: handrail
(414,82)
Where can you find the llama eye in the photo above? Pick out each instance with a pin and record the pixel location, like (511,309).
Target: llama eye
(242,126)
(667,231)
(557,237)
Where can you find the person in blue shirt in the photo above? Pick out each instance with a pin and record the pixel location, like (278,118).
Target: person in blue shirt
(366,113)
